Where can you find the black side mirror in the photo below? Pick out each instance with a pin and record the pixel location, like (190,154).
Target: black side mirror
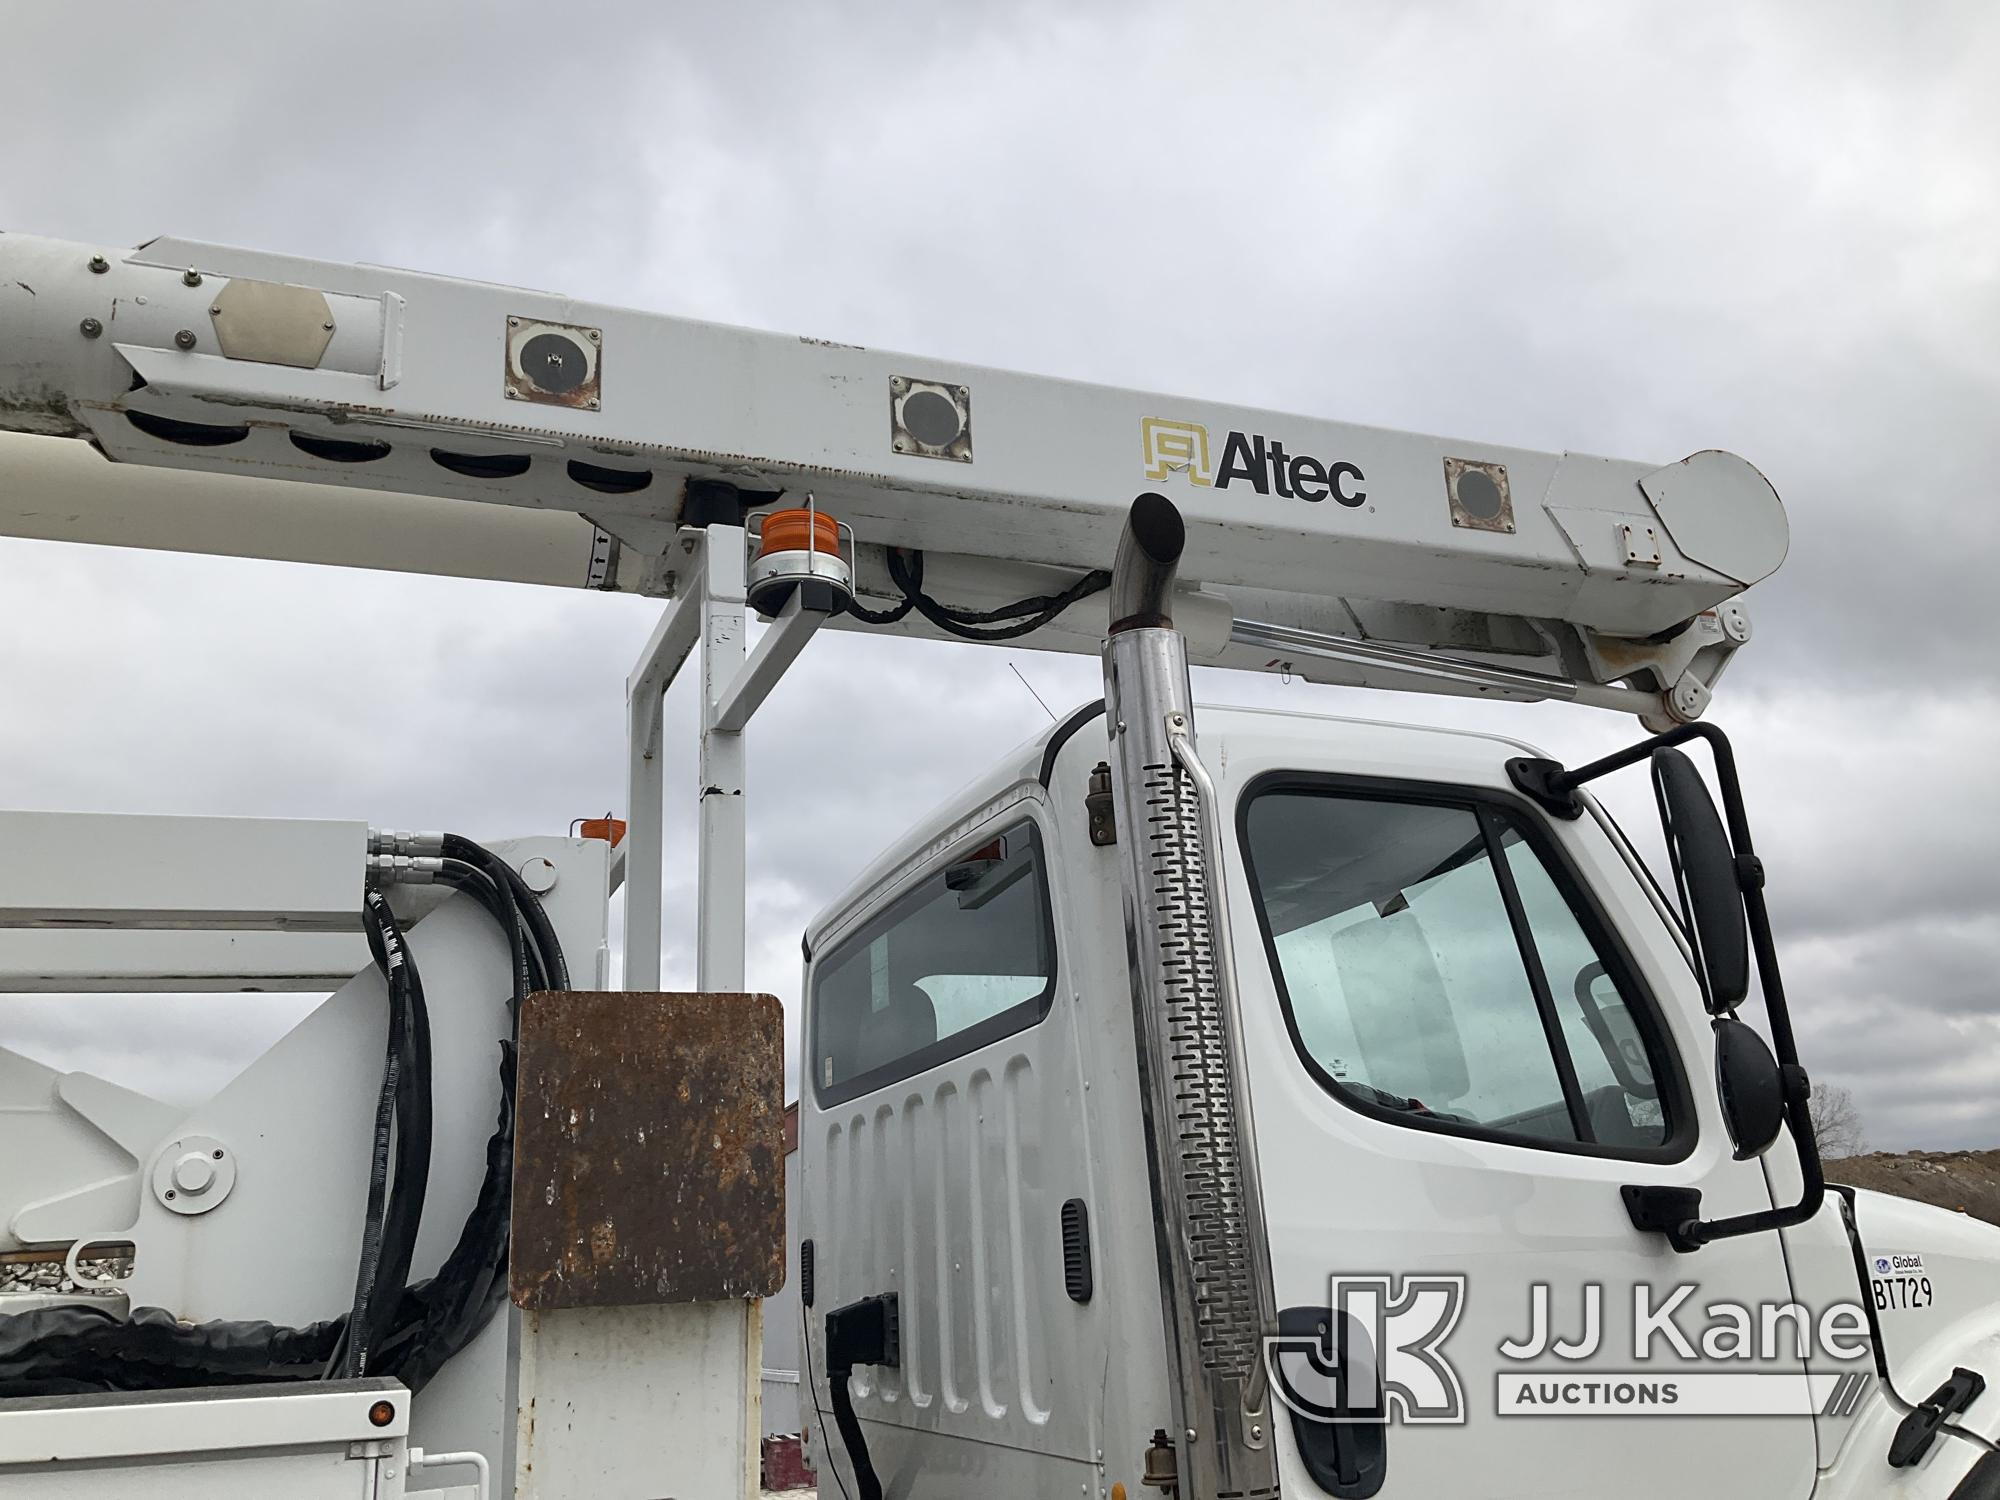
(1751,1087)
(1705,868)
(1762,1090)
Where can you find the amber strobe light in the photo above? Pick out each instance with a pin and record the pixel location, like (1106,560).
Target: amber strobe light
(607,828)
(787,531)
(806,546)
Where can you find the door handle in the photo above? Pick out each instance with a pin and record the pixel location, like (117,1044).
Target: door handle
(1326,1375)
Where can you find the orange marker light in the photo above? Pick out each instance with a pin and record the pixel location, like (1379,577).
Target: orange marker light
(611,830)
(798,546)
(800,530)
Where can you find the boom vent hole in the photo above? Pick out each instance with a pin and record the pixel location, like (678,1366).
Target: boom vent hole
(187,434)
(482,465)
(610,481)
(340,450)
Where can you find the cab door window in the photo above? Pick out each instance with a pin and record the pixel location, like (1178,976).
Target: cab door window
(964,957)
(1434,970)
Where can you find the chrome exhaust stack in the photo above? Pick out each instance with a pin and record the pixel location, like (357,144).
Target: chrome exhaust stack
(1215,1263)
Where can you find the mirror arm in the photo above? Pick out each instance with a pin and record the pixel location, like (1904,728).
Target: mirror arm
(1669,1210)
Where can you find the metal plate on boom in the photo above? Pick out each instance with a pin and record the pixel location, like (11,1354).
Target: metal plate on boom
(557,364)
(272,324)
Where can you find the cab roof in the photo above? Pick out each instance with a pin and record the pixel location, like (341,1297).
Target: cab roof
(1035,760)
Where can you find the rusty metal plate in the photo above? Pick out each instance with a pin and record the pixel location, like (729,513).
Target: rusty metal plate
(648,1149)
(930,418)
(555,364)
(1480,497)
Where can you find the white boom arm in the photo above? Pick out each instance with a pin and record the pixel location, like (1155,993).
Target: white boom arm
(346,414)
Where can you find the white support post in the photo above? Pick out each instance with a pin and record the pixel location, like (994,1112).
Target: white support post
(673,637)
(778,648)
(720,872)
(643,885)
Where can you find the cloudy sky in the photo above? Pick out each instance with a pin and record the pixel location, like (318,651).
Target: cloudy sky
(1636,229)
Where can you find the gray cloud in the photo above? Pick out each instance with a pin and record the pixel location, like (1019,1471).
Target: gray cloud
(1638,230)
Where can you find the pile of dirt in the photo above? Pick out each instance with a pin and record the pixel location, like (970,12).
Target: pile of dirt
(1964,1181)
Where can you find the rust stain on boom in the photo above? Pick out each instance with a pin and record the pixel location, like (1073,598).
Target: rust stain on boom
(649,1150)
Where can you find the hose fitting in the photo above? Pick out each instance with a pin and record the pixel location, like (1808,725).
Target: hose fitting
(403,869)
(398,841)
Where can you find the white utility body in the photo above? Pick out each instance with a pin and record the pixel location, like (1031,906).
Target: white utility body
(1161,1096)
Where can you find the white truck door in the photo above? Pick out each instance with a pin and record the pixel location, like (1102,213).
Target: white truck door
(942,1134)
(1460,1047)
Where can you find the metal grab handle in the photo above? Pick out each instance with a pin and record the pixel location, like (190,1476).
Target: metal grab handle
(1180,740)
(1182,744)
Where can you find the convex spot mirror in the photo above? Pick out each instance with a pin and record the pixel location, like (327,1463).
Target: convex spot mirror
(1750,1086)
(1705,864)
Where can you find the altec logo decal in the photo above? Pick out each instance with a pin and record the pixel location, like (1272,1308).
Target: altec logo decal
(1261,462)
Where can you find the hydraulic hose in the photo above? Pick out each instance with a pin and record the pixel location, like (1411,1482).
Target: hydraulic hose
(556,974)
(392,1328)
(410,1039)
(400,1158)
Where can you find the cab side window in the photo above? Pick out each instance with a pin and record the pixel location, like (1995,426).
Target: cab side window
(963,958)
(1433,969)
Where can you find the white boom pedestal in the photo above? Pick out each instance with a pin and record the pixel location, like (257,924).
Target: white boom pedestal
(636,1402)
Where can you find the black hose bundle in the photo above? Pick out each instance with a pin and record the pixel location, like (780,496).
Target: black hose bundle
(392,1328)
(402,1141)
(1008,622)
(67,1351)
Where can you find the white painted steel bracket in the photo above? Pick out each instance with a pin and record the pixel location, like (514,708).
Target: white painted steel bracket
(734,684)
(67,870)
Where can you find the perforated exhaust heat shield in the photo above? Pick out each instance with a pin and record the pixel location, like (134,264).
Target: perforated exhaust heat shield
(1215,1275)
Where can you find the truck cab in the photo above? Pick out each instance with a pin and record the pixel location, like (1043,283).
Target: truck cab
(1468,1027)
